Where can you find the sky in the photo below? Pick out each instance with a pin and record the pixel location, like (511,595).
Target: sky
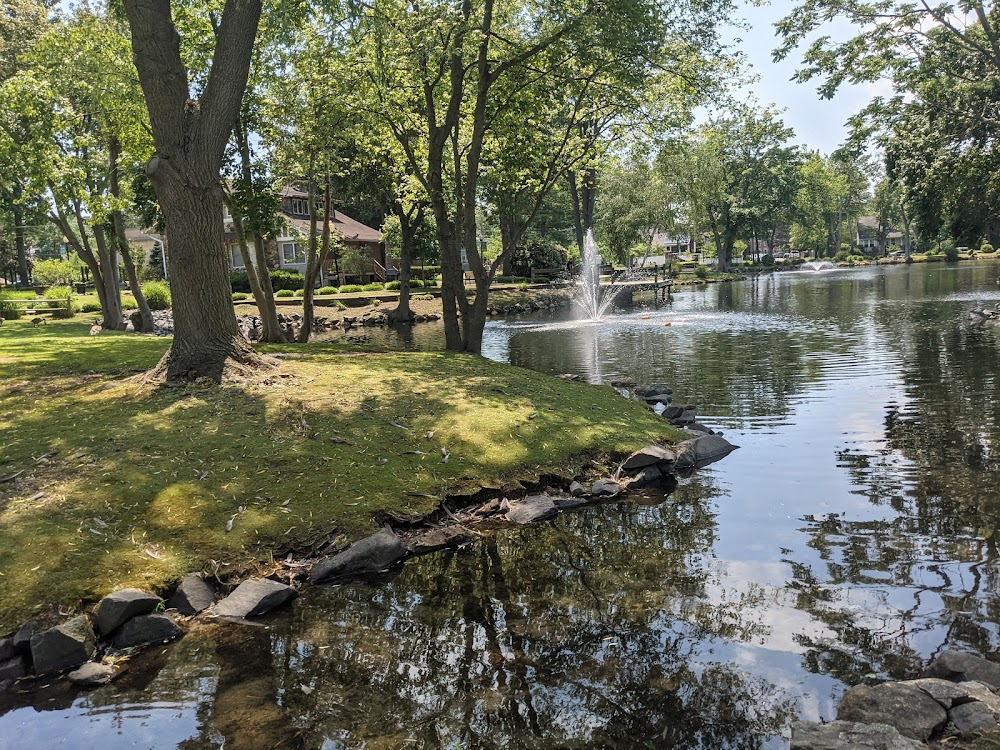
(818,123)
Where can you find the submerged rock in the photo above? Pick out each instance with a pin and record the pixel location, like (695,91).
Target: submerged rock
(92,674)
(532,508)
(146,629)
(253,597)
(370,555)
(958,666)
(849,735)
(431,541)
(914,713)
(120,606)
(192,596)
(702,451)
(64,646)
(623,382)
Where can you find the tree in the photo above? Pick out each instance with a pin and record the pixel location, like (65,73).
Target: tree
(817,203)
(635,204)
(190,132)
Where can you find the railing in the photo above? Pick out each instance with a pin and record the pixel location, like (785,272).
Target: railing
(380,270)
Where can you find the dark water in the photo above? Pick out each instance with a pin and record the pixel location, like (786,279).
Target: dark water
(852,537)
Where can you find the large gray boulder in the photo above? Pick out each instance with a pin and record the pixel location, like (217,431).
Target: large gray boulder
(944,692)
(973,718)
(115,609)
(649,391)
(651,455)
(13,668)
(958,666)
(702,451)
(146,629)
(606,488)
(22,638)
(370,555)
(8,649)
(914,713)
(192,596)
(848,735)
(92,674)
(253,597)
(64,646)
(532,508)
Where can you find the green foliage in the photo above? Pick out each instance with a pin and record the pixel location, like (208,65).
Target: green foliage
(14,312)
(376,302)
(240,282)
(285,293)
(325,290)
(374,287)
(537,254)
(240,296)
(987,249)
(701,272)
(392,285)
(282,279)
(157,294)
(523,286)
(93,307)
(60,293)
(53,272)
(423,297)
(351,288)
(128,303)
(767,260)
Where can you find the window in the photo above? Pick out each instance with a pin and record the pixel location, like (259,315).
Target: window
(292,252)
(235,258)
(300,207)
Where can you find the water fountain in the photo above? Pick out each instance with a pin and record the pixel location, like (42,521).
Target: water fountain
(595,300)
(818,265)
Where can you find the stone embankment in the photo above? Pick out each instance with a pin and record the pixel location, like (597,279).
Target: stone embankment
(955,698)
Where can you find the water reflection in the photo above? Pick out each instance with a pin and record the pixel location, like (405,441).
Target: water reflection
(854,534)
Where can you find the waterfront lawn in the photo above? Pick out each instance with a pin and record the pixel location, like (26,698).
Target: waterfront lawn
(105,483)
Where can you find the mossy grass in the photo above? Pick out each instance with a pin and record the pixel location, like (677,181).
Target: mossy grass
(122,484)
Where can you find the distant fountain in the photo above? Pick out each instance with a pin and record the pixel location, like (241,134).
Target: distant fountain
(595,300)
(818,265)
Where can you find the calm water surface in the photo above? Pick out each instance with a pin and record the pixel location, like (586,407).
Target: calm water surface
(852,537)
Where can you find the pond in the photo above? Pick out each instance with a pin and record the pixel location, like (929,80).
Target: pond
(852,537)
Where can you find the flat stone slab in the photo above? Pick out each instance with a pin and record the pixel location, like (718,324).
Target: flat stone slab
(911,711)
(702,451)
(253,597)
(973,718)
(13,668)
(849,735)
(958,666)
(118,607)
(944,692)
(92,674)
(372,554)
(146,629)
(566,503)
(981,692)
(64,646)
(532,508)
(651,455)
(606,488)
(437,539)
(192,596)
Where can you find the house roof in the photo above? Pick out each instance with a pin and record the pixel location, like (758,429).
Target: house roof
(138,235)
(341,223)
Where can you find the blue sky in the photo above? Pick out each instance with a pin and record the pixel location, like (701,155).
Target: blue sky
(818,123)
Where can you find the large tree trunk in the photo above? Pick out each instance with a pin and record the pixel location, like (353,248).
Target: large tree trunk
(82,249)
(252,277)
(20,246)
(118,226)
(574,195)
(408,229)
(190,137)
(108,259)
(314,265)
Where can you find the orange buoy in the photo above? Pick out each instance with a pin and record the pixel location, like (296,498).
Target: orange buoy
(645,317)
(667,324)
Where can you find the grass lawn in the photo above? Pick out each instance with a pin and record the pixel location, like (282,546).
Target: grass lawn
(119,484)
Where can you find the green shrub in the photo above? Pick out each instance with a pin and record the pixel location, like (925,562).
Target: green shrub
(433,282)
(424,297)
(701,272)
(128,303)
(376,302)
(338,305)
(393,286)
(60,293)
(287,280)
(284,293)
(240,296)
(416,284)
(326,290)
(987,249)
(349,288)
(767,260)
(239,281)
(523,286)
(13,312)
(54,271)
(841,256)
(92,307)
(373,287)
(157,294)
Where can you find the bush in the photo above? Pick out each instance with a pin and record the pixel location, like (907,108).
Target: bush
(284,293)
(287,280)
(128,303)
(842,256)
(376,302)
(349,288)
(523,286)
(157,294)
(424,297)
(53,272)
(374,287)
(416,284)
(239,281)
(432,282)
(338,305)
(60,293)
(13,312)
(767,260)
(537,254)
(326,290)
(393,286)
(987,249)
(92,307)
(701,272)
(240,296)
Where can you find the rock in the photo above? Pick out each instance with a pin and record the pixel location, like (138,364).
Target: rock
(121,606)
(431,541)
(623,382)
(699,427)
(92,674)
(253,597)
(192,596)
(944,692)
(973,718)
(532,508)
(22,638)
(686,417)
(146,629)
(370,555)
(914,713)
(848,735)
(648,456)
(564,503)
(606,488)
(673,411)
(7,649)
(646,475)
(64,646)
(13,668)
(576,489)
(664,399)
(958,666)
(647,391)
(571,377)
(981,692)
(702,451)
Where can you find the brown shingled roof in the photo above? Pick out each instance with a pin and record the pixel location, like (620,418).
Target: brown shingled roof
(341,223)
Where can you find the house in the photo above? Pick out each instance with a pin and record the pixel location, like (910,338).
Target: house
(365,262)
(868,236)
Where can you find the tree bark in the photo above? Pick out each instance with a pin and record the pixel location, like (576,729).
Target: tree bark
(108,260)
(118,227)
(574,195)
(20,246)
(314,265)
(407,229)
